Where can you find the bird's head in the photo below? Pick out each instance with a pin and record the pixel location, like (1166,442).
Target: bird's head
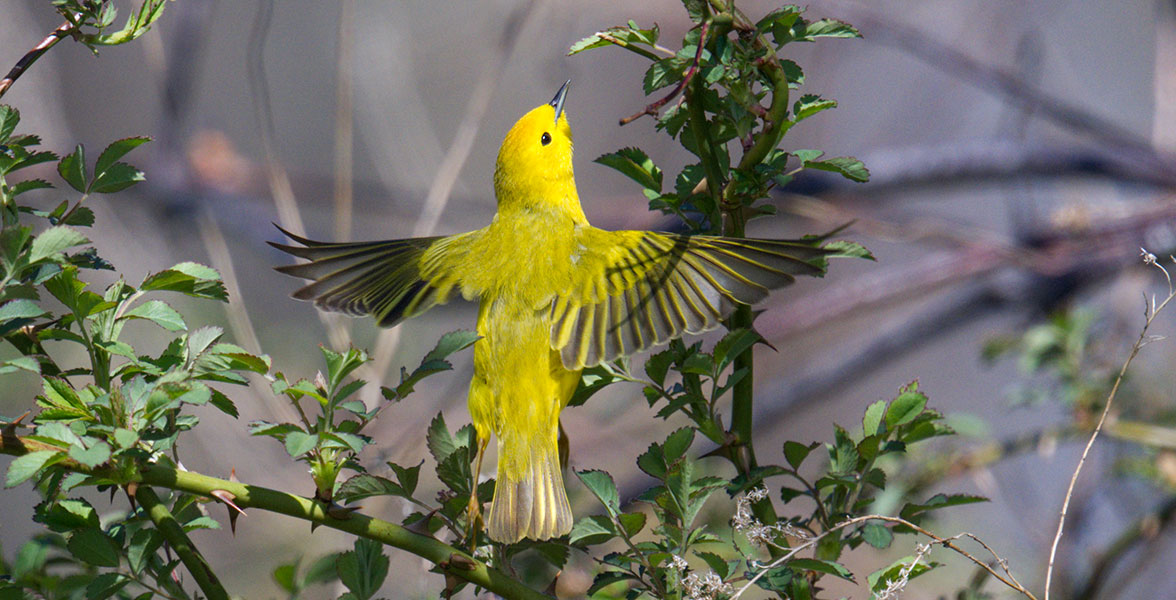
(534,169)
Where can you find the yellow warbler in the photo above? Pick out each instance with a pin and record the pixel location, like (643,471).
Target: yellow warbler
(555,295)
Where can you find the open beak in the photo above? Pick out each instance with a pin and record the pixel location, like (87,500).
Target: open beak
(558,101)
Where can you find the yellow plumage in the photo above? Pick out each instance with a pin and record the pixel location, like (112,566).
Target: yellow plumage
(555,295)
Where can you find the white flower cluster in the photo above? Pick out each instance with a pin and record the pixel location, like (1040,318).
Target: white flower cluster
(756,532)
(895,587)
(707,587)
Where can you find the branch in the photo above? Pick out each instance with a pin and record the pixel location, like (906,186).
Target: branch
(947,542)
(449,560)
(1150,311)
(173,532)
(65,29)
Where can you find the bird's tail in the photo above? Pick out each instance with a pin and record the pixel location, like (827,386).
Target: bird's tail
(529,497)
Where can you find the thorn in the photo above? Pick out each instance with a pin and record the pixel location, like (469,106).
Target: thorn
(340,512)
(234,511)
(458,561)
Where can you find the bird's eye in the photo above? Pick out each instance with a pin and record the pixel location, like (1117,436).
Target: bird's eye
(546,139)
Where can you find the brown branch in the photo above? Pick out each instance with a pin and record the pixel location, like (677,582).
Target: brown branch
(652,109)
(66,29)
(1150,311)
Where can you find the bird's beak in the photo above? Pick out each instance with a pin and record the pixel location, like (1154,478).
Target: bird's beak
(558,101)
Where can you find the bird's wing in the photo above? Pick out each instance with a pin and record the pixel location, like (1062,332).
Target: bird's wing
(635,289)
(390,280)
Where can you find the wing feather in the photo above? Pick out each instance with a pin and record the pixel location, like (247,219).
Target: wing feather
(390,280)
(633,290)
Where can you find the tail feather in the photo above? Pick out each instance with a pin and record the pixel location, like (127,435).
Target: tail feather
(532,504)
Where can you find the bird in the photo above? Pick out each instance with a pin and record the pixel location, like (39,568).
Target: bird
(555,295)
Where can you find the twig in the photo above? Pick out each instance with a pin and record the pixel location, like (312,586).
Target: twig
(947,542)
(653,108)
(1150,311)
(65,29)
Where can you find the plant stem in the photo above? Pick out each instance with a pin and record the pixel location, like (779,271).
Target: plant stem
(450,560)
(174,533)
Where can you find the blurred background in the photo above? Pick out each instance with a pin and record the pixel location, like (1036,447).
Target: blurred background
(1020,152)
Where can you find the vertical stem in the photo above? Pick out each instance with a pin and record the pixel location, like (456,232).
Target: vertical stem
(173,532)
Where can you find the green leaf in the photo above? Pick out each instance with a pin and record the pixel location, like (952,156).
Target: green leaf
(92,456)
(847,166)
(809,105)
(592,530)
(299,443)
(677,443)
(822,566)
(20,309)
(451,342)
(54,240)
(829,28)
(159,313)
(365,486)
(601,485)
(93,546)
(732,345)
(116,150)
(188,278)
(363,570)
(440,442)
(796,452)
(846,249)
(632,523)
(906,407)
(873,418)
(27,465)
(879,580)
(117,178)
(72,168)
(877,535)
(9,118)
(937,502)
(634,164)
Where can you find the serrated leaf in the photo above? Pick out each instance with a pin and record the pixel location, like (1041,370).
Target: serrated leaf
(116,150)
(438,439)
(188,278)
(677,443)
(299,443)
(605,579)
(873,418)
(9,118)
(72,168)
(905,408)
(733,344)
(830,28)
(159,313)
(809,105)
(846,249)
(796,452)
(20,309)
(363,569)
(94,547)
(847,166)
(877,535)
(632,523)
(54,240)
(27,465)
(601,485)
(92,456)
(451,342)
(879,580)
(634,164)
(592,530)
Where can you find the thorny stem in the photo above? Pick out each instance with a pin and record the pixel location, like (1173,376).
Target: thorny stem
(173,532)
(449,560)
(1150,311)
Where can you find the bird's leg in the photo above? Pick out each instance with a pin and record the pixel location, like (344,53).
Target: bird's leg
(475,506)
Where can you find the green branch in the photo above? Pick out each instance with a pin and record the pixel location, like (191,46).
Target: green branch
(450,560)
(173,532)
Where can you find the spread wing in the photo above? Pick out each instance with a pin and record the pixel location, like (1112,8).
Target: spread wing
(636,289)
(390,280)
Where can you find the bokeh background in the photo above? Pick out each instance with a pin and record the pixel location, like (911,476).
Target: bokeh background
(1021,154)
